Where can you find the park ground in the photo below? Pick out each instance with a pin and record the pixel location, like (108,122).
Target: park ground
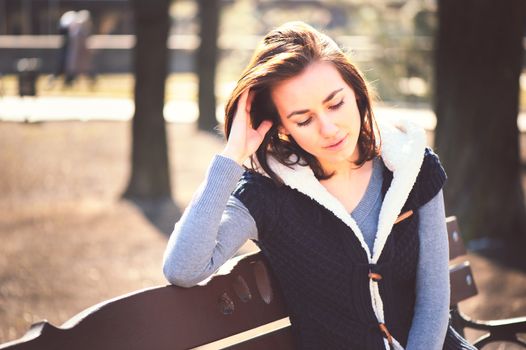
(68,241)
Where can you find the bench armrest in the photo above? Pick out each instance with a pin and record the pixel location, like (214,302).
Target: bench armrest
(498,330)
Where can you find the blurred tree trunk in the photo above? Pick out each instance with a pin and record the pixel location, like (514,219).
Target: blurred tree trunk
(150,177)
(478,64)
(206,63)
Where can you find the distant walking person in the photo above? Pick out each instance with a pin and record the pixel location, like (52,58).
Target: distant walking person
(79,58)
(63,29)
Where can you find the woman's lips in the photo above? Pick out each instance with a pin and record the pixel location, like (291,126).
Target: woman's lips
(337,145)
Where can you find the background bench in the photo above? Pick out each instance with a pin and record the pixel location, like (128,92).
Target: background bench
(239,309)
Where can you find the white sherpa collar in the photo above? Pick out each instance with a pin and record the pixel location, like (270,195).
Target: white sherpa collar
(403,145)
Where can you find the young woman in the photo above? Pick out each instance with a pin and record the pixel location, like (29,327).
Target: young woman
(348,212)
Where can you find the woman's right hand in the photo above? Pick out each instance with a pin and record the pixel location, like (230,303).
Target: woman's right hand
(244,140)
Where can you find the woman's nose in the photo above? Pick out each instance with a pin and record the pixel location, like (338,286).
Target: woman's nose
(327,126)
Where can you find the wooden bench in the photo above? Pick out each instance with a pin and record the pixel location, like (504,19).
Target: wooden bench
(463,286)
(239,310)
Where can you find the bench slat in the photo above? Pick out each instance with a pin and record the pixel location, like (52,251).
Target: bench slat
(462,283)
(279,340)
(170,317)
(456,244)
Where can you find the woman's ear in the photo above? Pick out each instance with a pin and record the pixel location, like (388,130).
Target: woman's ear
(282,130)
(283,134)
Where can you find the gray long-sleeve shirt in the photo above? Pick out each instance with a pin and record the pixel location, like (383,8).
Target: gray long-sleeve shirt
(215,225)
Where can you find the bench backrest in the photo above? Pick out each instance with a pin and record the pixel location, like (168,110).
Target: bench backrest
(460,274)
(239,310)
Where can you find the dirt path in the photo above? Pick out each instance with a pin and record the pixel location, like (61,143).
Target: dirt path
(68,242)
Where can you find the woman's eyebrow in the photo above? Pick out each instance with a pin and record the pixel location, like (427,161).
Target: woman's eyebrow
(328,98)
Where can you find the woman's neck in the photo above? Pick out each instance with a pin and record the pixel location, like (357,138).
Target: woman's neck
(344,168)
(349,184)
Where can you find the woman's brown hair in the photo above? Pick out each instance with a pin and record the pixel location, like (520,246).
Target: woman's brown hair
(284,53)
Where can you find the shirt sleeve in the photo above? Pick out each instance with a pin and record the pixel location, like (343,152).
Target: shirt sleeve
(430,320)
(212,228)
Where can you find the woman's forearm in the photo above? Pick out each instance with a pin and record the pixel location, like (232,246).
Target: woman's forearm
(432,288)
(211,229)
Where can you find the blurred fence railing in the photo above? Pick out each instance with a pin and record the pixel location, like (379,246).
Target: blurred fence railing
(113,52)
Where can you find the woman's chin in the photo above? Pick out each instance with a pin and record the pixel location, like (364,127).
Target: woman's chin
(334,160)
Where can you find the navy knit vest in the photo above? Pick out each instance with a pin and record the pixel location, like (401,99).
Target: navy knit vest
(323,270)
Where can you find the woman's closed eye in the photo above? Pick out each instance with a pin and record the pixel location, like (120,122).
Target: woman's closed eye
(305,122)
(336,106)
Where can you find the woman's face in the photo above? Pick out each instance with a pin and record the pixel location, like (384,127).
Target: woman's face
(318,109)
